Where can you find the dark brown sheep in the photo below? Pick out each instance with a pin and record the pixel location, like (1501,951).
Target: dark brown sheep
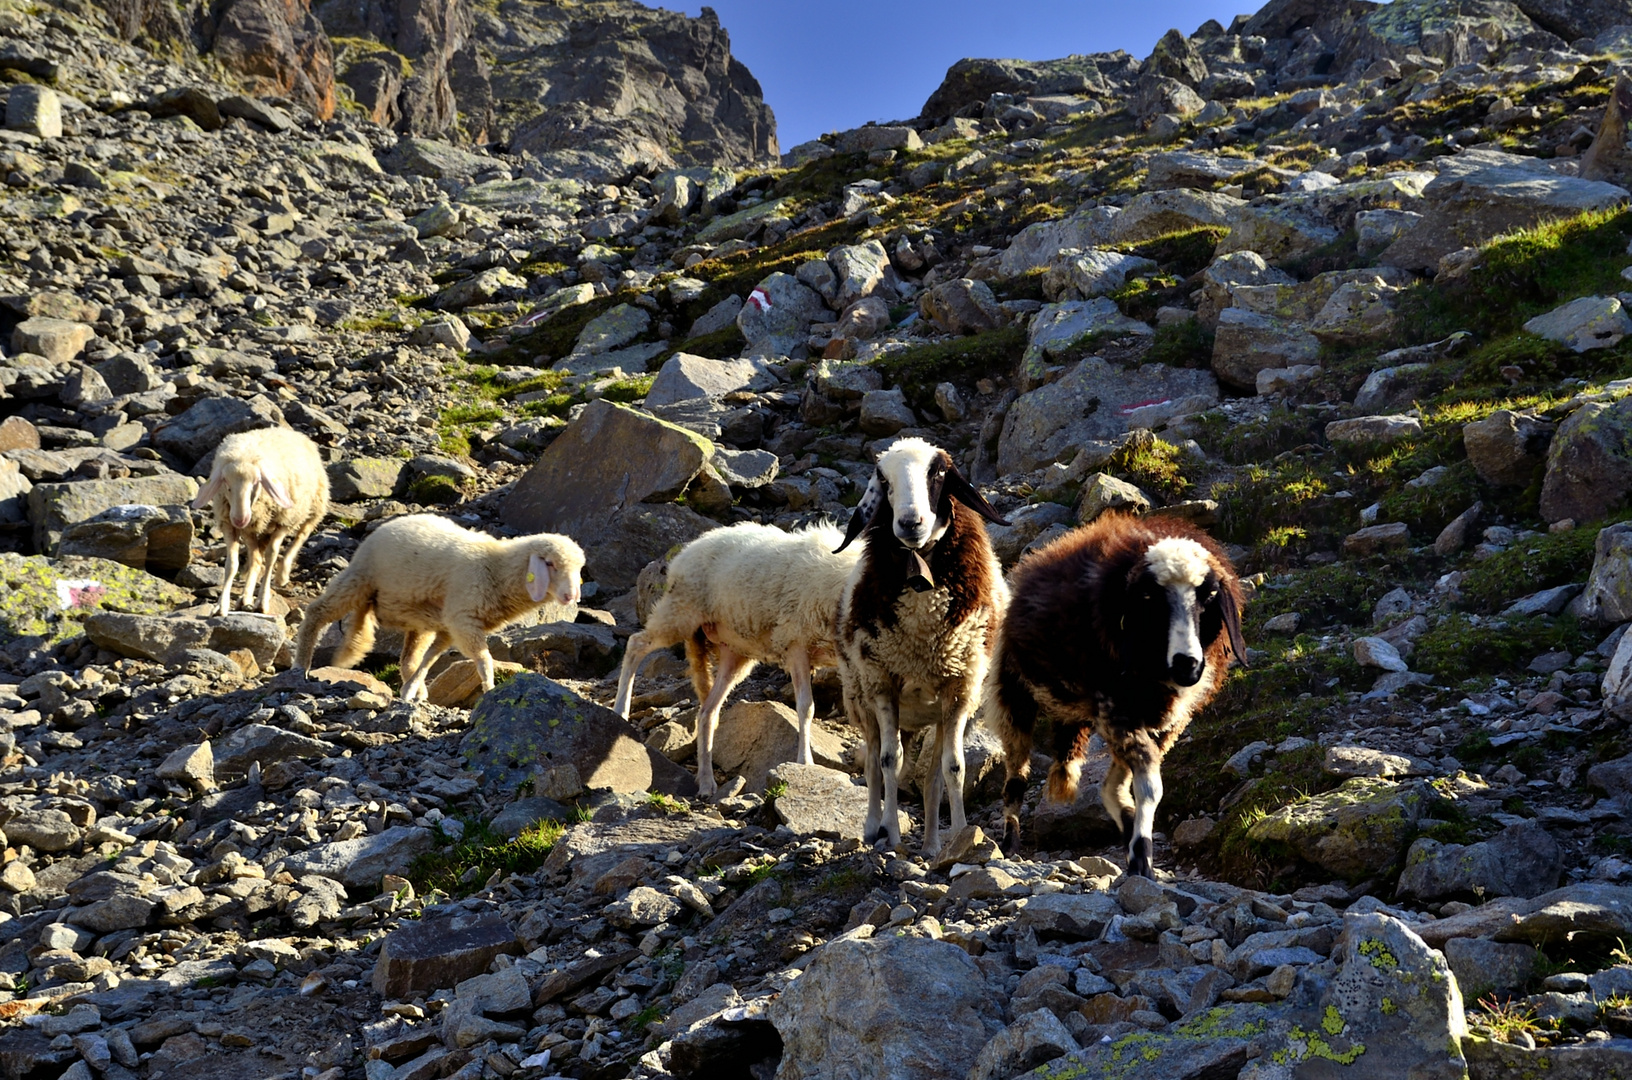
(1125,628)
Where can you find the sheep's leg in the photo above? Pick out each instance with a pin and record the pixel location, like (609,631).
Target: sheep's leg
(1147,793)
(868,724)
(640,646)
(733,668)
(471,640)
(270,567)
(252,571)
(422,670)
(954,718)
(803,704)
(934,785)
(287,568)
(233,543)
(1015,720)
(414,645)
(1114,794)
(889,763)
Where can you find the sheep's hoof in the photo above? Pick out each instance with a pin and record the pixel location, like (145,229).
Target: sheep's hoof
(1010,844)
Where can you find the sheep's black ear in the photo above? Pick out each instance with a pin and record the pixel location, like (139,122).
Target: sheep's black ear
(864,511)
(956,486)
(1232,623)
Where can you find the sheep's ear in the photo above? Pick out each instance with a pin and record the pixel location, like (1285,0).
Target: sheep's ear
(865,510)
(276,488)
(538,578)
(209,491)
(957,486)
(1232,623)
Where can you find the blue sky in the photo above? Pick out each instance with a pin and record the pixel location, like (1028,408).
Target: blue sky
(837,64)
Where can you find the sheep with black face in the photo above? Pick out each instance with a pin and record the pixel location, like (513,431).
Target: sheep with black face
(1125,628)
(919,613)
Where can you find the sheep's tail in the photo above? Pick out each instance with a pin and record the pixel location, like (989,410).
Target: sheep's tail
(699,657)
(1066,774)
(347,594)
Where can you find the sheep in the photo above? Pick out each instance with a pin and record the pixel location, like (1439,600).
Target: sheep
(285,467)
(749,593)
(920,612)
(441,585)
(1124,627)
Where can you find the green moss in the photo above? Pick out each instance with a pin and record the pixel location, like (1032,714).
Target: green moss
(1455,649)
(1186,344)
(1184,253)
(1431,507)
(1281,431)
(459,415)
(630,389)
(434,491)
(1152,464)
(1528,566)
(1260,498)
(479,854)
(964,360)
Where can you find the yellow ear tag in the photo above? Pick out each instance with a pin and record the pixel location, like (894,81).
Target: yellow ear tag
(530,576)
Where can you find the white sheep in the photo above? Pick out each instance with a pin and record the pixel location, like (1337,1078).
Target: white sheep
(749,593)
(920,612)
(440,585)
(267,486)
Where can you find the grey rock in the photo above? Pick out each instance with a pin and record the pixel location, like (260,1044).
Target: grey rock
(591,481)
(163,637)
(1589,463)
(1506,448)
(1608,594)
(1062,329)
(1522,860)
(1158,213)
(1591,322)
(903,1007)
(784,325)
(1081,275)
(435,953)
(1093,400)
(819,801)
(35,110)
(1068,916)
(55,507)
(1032,1040)
(58,340)
(1360,828)
(963,306)
(1035,246)
(1480,194)
(156,537)
(532,726)
(201,427)
(885,412)
(754,737)
(684,377)
(1485,967)
(48,830)
(361,862)
(365,478)
(265,745)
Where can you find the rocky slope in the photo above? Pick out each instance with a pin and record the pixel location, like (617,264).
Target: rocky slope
(1342,282)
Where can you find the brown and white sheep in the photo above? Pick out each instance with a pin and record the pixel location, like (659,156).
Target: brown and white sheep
(920,612)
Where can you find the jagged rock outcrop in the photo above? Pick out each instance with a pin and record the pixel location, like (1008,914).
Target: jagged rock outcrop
(600,90)
(970,83)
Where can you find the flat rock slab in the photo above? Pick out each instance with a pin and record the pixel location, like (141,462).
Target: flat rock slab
(821,802)
(534,726)
(53,507)
(49,599)
(265,745)
(436,953)
(755,737)
(1357,829)
(362,862)
(1490,1060)
(590,849)
(161,637)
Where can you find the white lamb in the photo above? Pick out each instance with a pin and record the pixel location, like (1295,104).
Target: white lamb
(441,585)
(267,486)
(750,593)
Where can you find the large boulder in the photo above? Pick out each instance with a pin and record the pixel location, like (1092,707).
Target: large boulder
(684,377)
(1356,830)
(160,537)
(894,1008)
(1576,19)
(166,637)
(278,49)
(776,318)
(964,306)
(1158,213)
(535,728)
(1060,329)
(754,737)
(1608,595)
(361,862)
(1225,273)
(1591,322)
(1522,860)
(1589,464)
(1507,449)
(1079,275)
(1279,229)
(596,482)
(1274,322)
(200,429)
(1094,400)
(58,340)
(1481,194)
(1035,246)
(55,507)
(860,271)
